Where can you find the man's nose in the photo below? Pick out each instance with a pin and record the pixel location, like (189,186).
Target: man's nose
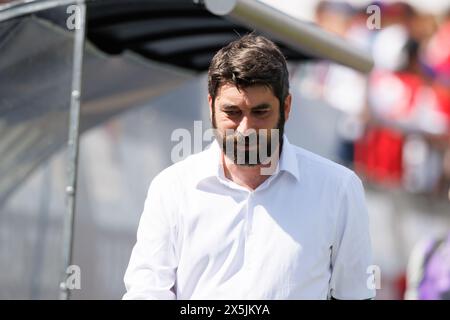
(245,125)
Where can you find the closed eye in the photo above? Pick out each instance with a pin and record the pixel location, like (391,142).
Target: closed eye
(232,113)
(260,112)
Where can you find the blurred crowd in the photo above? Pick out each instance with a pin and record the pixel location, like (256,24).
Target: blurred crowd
(395,128)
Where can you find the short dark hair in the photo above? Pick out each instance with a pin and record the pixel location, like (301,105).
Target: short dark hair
(250,60)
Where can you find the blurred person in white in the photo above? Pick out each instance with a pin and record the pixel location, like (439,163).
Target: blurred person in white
(342,88)
(214,227)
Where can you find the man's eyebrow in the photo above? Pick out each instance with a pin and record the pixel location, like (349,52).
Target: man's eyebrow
(228,106)
(257,107)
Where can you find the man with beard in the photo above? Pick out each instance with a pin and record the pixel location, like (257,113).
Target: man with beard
(253,216)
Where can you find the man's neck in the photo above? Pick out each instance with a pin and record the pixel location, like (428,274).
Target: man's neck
(249,177)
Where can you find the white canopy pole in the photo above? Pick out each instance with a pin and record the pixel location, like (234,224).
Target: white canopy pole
(300,35)
(73,149)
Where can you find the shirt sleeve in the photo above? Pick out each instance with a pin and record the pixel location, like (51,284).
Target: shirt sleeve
(151,271)
(351,257)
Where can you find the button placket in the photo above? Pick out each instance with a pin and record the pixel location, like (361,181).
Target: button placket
(248,231)
(249,216)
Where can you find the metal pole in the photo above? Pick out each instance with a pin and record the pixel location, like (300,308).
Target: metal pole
(300,35)
(24,7)
(72,148)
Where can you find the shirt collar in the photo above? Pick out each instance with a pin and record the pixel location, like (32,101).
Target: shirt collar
(288,159)
(210,164)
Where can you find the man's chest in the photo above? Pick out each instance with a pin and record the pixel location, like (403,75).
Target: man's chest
(270,241)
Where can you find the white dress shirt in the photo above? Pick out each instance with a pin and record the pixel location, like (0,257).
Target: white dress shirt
(302,234)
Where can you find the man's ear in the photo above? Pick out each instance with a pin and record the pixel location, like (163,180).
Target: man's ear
(210,106)
(287,106)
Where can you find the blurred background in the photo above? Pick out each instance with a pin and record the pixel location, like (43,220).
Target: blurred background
(391,126)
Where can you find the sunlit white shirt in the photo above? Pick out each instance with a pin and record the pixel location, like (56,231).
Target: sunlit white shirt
(302,234)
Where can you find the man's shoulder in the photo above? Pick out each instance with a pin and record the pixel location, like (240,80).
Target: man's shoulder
(318,166)
(183,170)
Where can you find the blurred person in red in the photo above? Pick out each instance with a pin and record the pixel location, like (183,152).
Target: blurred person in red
(391,89)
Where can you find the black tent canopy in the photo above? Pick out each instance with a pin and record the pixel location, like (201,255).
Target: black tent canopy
(178,32)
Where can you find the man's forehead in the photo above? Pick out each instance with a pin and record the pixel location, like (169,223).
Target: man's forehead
(255,94)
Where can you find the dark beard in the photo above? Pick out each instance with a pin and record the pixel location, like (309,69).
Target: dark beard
(229,144)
